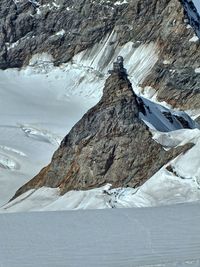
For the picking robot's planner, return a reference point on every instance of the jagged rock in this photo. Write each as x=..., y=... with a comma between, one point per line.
x=174, y=75
x=26, y=30
x=110, y=144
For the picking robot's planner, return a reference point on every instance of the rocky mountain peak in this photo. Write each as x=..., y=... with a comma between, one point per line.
x=110, y=144
x=116, y=87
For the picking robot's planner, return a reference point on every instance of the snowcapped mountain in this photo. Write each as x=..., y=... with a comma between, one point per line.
x=117, y=141
x=65, y=64
x=111, y=145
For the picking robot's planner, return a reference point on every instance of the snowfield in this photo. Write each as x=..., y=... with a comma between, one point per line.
x=38, y=107
x=147, y=237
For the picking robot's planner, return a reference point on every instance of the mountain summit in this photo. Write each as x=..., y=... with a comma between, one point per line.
x=110, y=144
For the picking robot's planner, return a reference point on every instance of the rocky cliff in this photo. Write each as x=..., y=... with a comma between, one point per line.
x=64, y=28
x=110, y=144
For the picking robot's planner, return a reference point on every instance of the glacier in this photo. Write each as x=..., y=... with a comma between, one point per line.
x=147, y=237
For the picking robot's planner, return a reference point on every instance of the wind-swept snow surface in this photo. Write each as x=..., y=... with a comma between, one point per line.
x=38, y=106
x=167, y=237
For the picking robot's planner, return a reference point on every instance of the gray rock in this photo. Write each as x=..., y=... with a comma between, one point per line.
x=86, y=22
x=110, y=144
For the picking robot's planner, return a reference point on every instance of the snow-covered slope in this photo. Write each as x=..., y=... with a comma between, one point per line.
x=197, y=4
x=167, y=237
x=192, y=8
x=164, y=119
x=177, y=183
x=38, y=107
x=40, y=104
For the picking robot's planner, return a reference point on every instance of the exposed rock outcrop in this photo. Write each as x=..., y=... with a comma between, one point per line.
x=110, y=144
x=174, y=76
x=64, y=28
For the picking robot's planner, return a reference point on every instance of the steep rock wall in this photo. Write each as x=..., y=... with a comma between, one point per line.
x=65, y=28
x=110, y=144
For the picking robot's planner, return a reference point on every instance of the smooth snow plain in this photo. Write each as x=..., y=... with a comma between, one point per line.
x=147, y=237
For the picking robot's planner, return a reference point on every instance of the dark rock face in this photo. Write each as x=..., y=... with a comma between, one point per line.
x=110, y=144
x=84, y=23
x=26, y=30
x=176, y=81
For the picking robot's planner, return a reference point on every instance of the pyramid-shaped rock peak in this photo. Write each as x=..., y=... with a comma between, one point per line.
x=117, y=87
x=110, y=144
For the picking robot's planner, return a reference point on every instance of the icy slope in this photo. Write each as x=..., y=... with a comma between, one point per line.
x=177, y=184
x=164, y=119
x=191, y=9
x=37, y=109
x=197, y=4
x=40, y=104
x=167, y=236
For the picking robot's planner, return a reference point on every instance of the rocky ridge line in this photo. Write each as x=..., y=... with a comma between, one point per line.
x=64, y=28
x=110, y=144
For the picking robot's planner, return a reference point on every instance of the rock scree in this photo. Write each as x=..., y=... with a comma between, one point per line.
x=110, y=144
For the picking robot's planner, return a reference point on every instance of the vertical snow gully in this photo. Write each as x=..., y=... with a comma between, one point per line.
x=192, y=15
